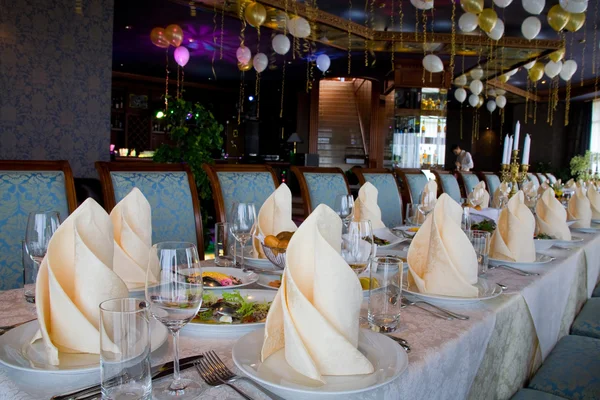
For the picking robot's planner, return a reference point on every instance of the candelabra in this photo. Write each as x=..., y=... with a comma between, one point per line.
x=514, y=173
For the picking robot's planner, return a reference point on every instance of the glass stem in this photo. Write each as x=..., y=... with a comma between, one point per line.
x=176, y=376
x=242, y=263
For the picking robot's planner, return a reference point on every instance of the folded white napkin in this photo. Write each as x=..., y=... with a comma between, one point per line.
x=75, y=277
x=314, y=316
x=429, y=194
x=441, y=259
x=579, y=208
x=480, y=196
x=570, y=185
x=275, y=216
x=132, y=227
x=502, y=190
x=366, y=208
x=594, y=198
x=551, y=216
x=530, y=188
x=513, y=238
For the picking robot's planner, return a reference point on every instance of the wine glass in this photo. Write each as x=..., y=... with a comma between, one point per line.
x=358, y=246
x=243, y=217
x=428, y=202
x=174, y=301
x=344, y=206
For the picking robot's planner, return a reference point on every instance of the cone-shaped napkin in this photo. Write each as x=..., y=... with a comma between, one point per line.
x=366, y=208
x=441, y=259
x=75, y=277
x=480, y=196
x=513, y=238
x=594, y=198
x=275, y=216
x=314, y=316
x=501, y=191
x=551, y=216
x=570, y=185
x=579, y=208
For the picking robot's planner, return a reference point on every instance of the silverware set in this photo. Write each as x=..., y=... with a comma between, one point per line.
x=515, y=270
x=442, y=313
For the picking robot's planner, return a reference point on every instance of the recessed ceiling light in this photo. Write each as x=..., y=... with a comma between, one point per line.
x=121, y=65
x=128, y=27
x=543, y=82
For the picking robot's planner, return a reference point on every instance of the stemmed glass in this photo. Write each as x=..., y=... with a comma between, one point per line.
x=358, y=246
x=344, y=206
x=174, y=301
x=243, y=218
x=428, y=203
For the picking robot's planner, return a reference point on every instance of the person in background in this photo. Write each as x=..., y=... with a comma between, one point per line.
x=464, y=161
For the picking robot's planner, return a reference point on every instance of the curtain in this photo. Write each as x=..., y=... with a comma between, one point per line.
x=579, y=130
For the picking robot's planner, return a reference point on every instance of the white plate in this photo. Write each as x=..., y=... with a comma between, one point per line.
x=250, y=294
x=487, y=290
x=406, y=229
x=18, y=353
x=388, y=359
x=596, y=221
x=545, y=244
x=264, y=279
x=386, y=234
x=539, y=259
x=247, y=278
x=252, y=260
x=569, y=223
x=586, y=230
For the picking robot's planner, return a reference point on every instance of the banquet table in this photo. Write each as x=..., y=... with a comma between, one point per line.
x=489, y=356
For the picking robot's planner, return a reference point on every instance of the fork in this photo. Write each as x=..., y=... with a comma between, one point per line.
x=210, y=376
x=516, y=270
x=449, y=313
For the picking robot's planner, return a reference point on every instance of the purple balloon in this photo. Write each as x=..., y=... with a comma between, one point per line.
x=182, y=55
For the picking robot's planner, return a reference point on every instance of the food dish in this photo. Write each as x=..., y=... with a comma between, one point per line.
x=545, y=244
x=231, y=308
x=485, y=224
x=487, y=290
x=539, y=259
x=235, y=276
x=269, y=281
x=385, y=239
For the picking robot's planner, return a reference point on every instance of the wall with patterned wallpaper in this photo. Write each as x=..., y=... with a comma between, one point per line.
x=55, y=81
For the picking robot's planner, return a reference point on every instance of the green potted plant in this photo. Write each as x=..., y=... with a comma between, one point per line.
x=581, y=166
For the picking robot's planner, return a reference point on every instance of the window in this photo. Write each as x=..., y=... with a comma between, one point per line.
x=595, y=137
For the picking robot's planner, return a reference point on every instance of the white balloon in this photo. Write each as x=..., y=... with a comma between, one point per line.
x=281, y=44
x=433, y=63
x=260, y=62
x=512, y=72
x=323, y=62
x=468, y=22
x=299, y=27
x=529, y=65
x=243, y=54
x=531, y=27
x=553, y=68
x=460, y=94
x=491, y=106
x=501, y=101
x=500, y=92
x=491, y=92
x=476, y=87
x=461, y=80
x=476, y=73
x=534, y=7
x=574, y=6
x=422, y=4
x=568, y=70
x=473, y=100
x=498, y=31
x=502, y=3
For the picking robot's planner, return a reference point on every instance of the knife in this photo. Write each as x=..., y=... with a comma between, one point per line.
x=157, y=372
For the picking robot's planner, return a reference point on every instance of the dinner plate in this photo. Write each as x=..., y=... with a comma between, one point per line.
x=407, y=230
x=17, y=351
x=264, y=279
x=596, y=221
x=252, y=260
x=571, y=222
x=388, y=359
x=586, y=230
x=386, y=234
x=216, y=329
x=545, y=244
x=486, y=290
x=539, y=259
x=247, y=278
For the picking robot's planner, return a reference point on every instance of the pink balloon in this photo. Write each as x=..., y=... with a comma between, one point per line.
x=182, y=55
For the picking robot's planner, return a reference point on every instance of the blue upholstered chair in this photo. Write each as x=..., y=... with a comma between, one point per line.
x=532, y=177
x=412, y=183
x=27, y=186
x=596, y=292
x=541, y=178
x=241, y=183
x=469, y=180
x=389, y=198
x=551, y=178
x=320, y=186
x=492, y=181
x=169, y=188
x=571, y=370
x=587, y=322
x=447, y=183
x=530, y=394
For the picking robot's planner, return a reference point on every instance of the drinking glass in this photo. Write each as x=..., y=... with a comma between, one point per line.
x=385, y=297
x=30, y=271
x=481, y=243
x=358, y=246
x=531, y=201
x=344, y=206
x=125, y=349
x=40, y=228
x=428, y=203
x=224, y=256
x=414, y=215
x=174, y=301
x=465, y=222
x=243, y=217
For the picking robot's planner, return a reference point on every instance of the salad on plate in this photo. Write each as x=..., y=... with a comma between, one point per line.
x=231, y=308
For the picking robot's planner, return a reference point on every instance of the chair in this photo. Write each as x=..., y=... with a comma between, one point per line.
x=531, y=176
x=389, y=198
x=596, y=292
x=169, y=188
x=551, y=178
x=27, y=186
x=447, y=183
x=239, y=182
x=541, y=177
x=468, y=181
x=530, y=394
x=492, y=181
x=320, y=186
x=587, y=322
x=412, y=183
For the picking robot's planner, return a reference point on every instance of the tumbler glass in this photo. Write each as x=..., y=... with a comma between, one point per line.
x=385, y=293
x=224, y=256
x=481, y=243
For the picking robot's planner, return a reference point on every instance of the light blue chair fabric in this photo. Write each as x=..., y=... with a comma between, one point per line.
x=587, y=322
x=529, y=394
x=471, y=180
x=245, y=187
x=596, y=292
x=492, y=182
x=450, y=186
x=22, y=192
x=170, y=198
x=571, y=370
x=532, y=177
x=388, y=198
x=416, y=184
x=324, y=187
x=541, y=178
x=551, y=178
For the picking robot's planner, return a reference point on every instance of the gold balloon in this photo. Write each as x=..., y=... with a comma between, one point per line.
x=575, y=23
x=174, y=35
x=245, y=67
x=557, y=55
x=157, y=36
x=504, y=78
x=480, y=103
x=472, y=6
x=558, y=18
x=536, y=72
x=488, y=19
x=256, y=14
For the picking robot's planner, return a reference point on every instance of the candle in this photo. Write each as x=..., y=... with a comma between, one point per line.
x=506, y=152
x=526, y=148
x=516, y=139
x=510, y=145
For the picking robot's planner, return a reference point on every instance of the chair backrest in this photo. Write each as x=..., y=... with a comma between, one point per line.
x=320, y=186
x=492, y=181
x=541, y=177
x=252, y=183
x=27, y=186
x=551, y=178
x=169, y=188
x=412, y=183
x=447, y=183
x=468, y=182
x=389, y=197
x=531, y=176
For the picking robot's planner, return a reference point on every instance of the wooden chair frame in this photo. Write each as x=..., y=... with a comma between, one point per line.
x=463, y=184
x=212, y=169
x=358, y=171
x=299, y=173
x=404, y=189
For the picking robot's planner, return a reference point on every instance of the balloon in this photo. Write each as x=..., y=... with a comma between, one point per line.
x=574, y=6
x=512, y=72
x=500, y=92
x=476, y=86
x=243, y=54
x=467, y=22
x=498, y=31
x=323, y=62
x=576, y=21
x=433, y=63
x=553, y=68
x=245, y=66
x=422, y=4
x=568, y=70
x=487, y=20
x=501, y=101
x=558, y=18
x=255, y=14
x=174, y=35
x=299, y=27
x=557, y=55
x=504, y=78
x=157, y=36
x=473, y=100
x=476, y=73
x=181, y=55
x=491, y=92
x=534, y=7
x=529, y=65
x=461, y=80
x=491, y=106
x=536, y=72
x=531, y=27
x=281, y=44
x=480, y=102
x=460, y=94
x=502, y=3
x=472, y=6
x=260, y=62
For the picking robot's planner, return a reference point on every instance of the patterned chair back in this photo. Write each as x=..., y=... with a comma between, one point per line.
x=469, y=181
x=320, y=186
x=242, y=183
x=492, y=181
x=169, y=188
x=531, y=176
x=448, y=184
x=541, y=178
x=412, y=182
x=389, y=199
x=551, y=178
x=27, y=186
